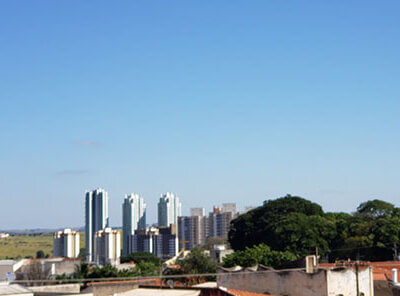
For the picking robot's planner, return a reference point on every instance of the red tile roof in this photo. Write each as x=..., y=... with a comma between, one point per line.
x=382, y=270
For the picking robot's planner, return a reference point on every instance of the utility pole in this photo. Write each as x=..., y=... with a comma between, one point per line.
x=396, y=258
x=358, y=288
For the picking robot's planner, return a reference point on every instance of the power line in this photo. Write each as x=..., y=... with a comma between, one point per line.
x=153, y=277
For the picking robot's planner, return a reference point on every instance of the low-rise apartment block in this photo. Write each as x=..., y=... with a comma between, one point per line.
x=66, y=244
x=160, y=241
x=107, y=246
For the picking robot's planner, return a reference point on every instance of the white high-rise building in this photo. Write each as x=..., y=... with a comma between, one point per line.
x=96, y=217
x=197, y=212
x=133, y=218
x=66, y=244
x=107, y=247
x=169, y=209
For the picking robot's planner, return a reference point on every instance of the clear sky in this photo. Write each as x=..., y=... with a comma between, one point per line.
x=217, y=101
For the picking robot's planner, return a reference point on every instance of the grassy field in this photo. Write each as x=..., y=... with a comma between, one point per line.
x=26, y=245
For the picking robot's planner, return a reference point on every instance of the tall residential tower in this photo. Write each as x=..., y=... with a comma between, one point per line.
x=96, y=217
x=169, y=209
x=133, y=218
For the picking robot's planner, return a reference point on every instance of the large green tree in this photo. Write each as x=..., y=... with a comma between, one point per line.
x=376, y=209
x=299, y=226
x=289, y=223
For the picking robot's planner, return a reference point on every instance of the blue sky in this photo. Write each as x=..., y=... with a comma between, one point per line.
x=217, y=101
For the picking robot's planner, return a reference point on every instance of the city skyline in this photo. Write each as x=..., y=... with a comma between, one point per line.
x=135, y=203
x=217, y=101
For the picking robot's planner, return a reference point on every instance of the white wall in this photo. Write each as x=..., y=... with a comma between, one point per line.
x=344, y=282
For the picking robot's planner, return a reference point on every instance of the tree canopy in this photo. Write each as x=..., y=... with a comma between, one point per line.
x=376, y=208
x=139, y=257
x=197, y=262
x=260, y=254
x=298, y=226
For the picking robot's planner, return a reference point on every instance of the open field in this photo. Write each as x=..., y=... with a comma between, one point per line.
x=27, y=245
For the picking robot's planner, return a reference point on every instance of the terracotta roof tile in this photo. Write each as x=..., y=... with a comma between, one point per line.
x=382, y=270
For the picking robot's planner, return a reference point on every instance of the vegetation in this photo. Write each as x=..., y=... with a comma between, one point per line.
x=15, y=247
x=260, y=254
x=195, y=263
x=86, y=271
x=27, y=246
x=140, y=257
x=146, y=263
x=297, y=227
x=211, y=241
x=40, y=254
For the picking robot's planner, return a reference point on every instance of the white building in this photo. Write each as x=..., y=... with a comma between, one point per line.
x=133, y=218
x=197, y=212
x=96, y=217
x=229, y=207
x=4, y=235
x=107, y=247
x=66, y=244
x=169, y=209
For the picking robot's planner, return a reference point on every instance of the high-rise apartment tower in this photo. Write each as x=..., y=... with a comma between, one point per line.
x=133, y=218
x=169, y=209
x=96, y=217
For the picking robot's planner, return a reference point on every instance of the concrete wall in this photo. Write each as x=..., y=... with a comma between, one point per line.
x=66, y=266
x=111, y=289
x=382, y=288
x=343, y=282
x=12, y=266
x=68, y=288
x=296, y=282
x=396, y=291
x=51, y=266
x=4, y=269
x=286, y=282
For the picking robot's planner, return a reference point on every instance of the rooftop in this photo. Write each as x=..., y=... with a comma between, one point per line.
x=7, y=262
x=206, y=285
x=160, y=292
x=382, y=270
x=235, y=292
x=13, y=289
